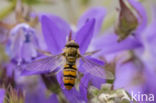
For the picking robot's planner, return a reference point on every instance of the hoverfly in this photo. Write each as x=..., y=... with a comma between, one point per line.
x=68, y=61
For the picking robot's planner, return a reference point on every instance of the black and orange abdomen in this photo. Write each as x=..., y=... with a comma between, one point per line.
x=69, y=75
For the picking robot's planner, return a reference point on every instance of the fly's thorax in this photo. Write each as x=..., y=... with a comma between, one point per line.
x=71, y=55
x=71, y=52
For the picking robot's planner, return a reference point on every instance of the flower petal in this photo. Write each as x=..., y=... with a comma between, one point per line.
x=2, y=95
x=150, y=83
x=98, y=13
x=62, y=24
x=54, y=35
x=108, y=44
x=73, y=96
x=60, y=79
x=84, y=85
x=16, y=29
x=149, y=41
x=126, y=75
x=85, y=34
x=17, y=46
x=35, y=91
x=14, y=45
x=28, y=51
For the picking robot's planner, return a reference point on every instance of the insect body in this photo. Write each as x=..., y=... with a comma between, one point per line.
x=71, y=54
x=67, y=61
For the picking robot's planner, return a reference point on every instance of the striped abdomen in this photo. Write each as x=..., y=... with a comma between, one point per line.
x=69, y=75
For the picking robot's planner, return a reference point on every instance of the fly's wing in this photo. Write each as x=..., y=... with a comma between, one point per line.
x=46, y=65
x=95, y=68
x=91, y=53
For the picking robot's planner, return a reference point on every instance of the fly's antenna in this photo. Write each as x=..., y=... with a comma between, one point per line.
x=70, y=36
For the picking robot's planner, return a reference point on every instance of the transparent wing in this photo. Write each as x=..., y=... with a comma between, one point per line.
x=45, y=65
x=91, y=53
x=91, y=66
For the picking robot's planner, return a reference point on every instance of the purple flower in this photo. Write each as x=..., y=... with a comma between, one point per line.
x=2, y=95
x=22, y=43
x=55, y=39
x=55, y=31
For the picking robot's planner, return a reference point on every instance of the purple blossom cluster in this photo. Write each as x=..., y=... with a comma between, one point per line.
x=121, y=58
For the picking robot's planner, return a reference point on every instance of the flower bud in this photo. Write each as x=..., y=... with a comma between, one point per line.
x=127, y=20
